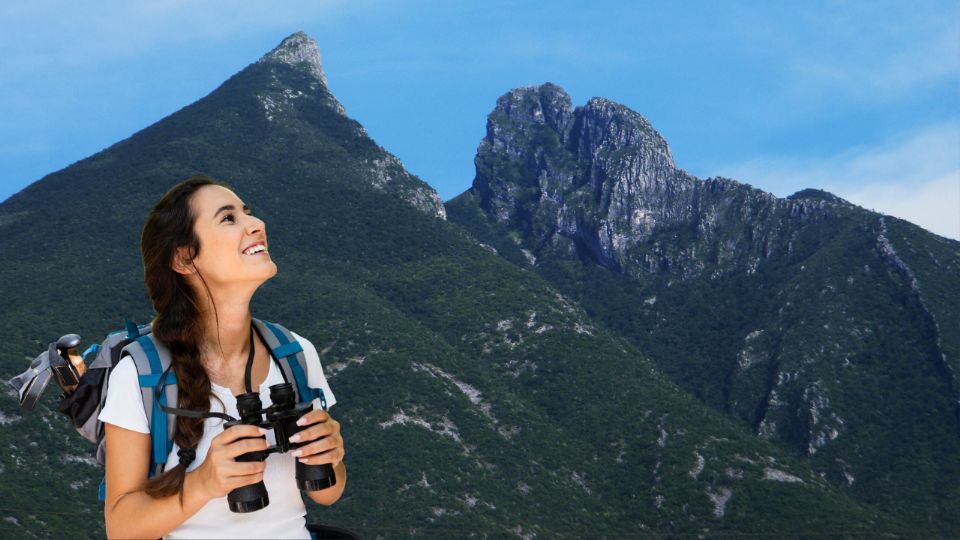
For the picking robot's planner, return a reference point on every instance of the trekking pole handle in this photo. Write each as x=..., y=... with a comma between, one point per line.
x=67, y=342
x=67, y=350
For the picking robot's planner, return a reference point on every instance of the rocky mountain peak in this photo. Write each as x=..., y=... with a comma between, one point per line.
x=570, y=176
x=298, y=50
x=545, y=104
x=614, y=126
x=598, y=179
x=819, y=195
x=600, y=126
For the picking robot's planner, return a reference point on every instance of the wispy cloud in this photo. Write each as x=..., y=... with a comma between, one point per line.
x=933, y=205
x=915, y=176
x=860, y=51
x=48, y=34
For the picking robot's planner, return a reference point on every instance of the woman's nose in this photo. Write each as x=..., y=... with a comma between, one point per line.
x=255, y=225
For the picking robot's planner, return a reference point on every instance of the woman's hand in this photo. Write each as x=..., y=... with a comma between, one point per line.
x=323, y=443
x=220, y=473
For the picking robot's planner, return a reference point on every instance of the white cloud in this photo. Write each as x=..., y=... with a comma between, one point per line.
x=872, y=62
x=915, y=176
x=54, y=34
x=934, y=205
x=868, y=53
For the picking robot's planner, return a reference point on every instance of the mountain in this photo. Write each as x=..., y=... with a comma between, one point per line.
x=828, y=329
x=475, y=398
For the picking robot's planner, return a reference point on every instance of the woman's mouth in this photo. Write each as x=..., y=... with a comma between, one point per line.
x=255, y=249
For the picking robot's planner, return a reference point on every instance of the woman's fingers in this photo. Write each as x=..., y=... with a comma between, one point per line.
x=244, y=446
x=239, y=481
x=233, y=433
x=332, y=456
x=318, y=446
x=326, y=450
x=317, y=431
x=220, y=470
x=226, y=474
x=322, y=440
x=243, y=468
x=237, y=440
x=312, y=417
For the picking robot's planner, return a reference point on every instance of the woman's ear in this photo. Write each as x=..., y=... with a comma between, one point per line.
x=182, y=262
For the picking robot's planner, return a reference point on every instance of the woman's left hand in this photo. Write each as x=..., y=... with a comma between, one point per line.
x=323, y=443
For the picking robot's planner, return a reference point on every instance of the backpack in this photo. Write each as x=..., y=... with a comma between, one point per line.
x=157, y=384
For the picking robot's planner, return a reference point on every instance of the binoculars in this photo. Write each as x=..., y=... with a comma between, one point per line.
x=282, y=418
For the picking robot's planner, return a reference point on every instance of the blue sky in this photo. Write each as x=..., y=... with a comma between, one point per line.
x=861, y=99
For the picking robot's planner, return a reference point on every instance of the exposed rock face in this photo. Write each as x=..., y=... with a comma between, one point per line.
x=599, y=179
x=286, y=102
x=813, y=322
x=457, y=370
x=298, y=50
x=389, y=171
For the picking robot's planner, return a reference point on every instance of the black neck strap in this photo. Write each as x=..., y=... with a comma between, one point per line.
x=246, y=374
x=183, y=412
x=196, y=414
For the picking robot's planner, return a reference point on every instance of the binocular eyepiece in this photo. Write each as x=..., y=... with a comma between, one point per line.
x=282, y=418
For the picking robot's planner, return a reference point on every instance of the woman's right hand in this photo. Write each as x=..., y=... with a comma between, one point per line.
x=220, y=473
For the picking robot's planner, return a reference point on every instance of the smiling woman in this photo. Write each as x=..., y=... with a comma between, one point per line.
x=205, y=255
x=234, y=238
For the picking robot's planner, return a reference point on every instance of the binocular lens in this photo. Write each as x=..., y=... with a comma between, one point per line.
x=315, y=477
x=248, y=498
x=283, y=395
x=248, y=404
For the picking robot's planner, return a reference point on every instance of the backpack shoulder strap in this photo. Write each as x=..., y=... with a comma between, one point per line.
x=153, y=361
x=107, y=355
x=288, y=351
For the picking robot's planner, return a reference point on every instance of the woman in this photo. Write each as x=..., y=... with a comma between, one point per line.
x=204, y=256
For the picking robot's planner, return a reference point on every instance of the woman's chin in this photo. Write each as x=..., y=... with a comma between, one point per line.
x=263, y=274
x=272, y=272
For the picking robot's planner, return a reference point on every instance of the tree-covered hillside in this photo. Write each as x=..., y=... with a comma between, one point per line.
x=476, y=399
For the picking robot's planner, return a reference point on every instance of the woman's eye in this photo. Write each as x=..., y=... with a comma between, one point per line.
x=228, y=216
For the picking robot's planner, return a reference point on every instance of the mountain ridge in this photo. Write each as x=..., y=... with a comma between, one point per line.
x=476, y=397
x=702, y=275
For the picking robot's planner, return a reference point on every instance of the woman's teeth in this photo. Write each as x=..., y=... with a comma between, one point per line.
x=254, y=250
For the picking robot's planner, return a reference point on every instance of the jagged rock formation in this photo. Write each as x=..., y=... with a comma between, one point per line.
x=797, y=316
x=599, y=180
x=474, y=397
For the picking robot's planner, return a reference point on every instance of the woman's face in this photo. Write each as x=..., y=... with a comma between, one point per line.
x=233, y=243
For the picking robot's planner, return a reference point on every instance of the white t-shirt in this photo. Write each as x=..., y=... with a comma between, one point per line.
x=284, y=517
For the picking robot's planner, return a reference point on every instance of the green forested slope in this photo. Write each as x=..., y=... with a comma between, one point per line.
x=475, y=399
x=825, y=328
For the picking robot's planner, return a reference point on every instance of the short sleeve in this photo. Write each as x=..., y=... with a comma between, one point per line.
x=315, y=376
x=124, y=403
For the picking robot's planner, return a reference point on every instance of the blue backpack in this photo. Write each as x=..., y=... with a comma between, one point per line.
x=158, y=384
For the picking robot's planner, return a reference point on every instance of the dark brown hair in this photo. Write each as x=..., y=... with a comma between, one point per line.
x=177, y=324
